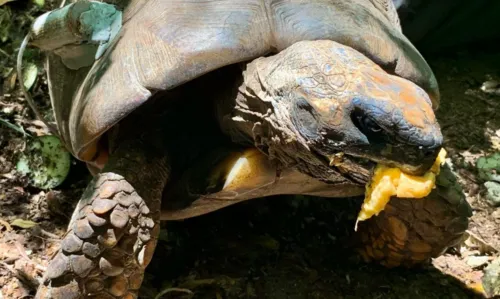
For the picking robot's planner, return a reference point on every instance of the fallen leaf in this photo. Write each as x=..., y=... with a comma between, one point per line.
x=40, y=3
x=10, y=78
x=491, y=279
x=30, y=73
x=477, y=261
x=267, y=242
x=474, y=242
x=6, y=224
x=23, y=223
x=8, y=251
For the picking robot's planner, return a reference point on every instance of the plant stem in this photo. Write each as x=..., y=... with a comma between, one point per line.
x=14, y=127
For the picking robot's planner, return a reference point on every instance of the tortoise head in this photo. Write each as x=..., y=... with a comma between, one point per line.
x=336, y=102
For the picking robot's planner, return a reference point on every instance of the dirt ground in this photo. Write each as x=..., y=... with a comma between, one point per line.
x=281, y=247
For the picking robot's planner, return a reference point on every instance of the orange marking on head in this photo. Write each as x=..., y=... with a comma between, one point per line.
x=380, y=78
x=414, y=117
x=416, y=109
x=407, y=96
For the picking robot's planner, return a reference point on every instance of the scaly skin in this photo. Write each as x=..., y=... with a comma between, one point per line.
x=412, y=231
x=113, y=232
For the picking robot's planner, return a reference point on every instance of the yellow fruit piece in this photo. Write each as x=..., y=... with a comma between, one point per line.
x=415, y=186
x=387, y=182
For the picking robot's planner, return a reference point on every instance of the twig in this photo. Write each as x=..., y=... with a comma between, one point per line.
x=14, y=127
x=480, y=238
x=26, y=279
x=50, y=235
x=171, y=290
x=5, y=53
x=27, y=96
x=22, y=252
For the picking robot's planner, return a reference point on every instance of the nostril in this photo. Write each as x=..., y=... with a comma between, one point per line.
x=429, y=153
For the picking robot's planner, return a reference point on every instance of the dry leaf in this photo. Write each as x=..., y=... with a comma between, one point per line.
x=23, y=223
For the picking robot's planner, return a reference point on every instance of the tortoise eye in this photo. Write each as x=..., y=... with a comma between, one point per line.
x=369, y=124
x=305, y=118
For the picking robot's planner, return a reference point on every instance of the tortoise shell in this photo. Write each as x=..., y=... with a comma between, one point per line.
x=165, y=43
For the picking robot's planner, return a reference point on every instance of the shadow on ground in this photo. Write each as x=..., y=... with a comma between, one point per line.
x=468, y=116
x=470, y=121
x=281, y=247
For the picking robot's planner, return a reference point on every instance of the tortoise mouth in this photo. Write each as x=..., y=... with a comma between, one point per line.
x=357, y=169
x=359, y=165
x=360, y=169
x=416, y=169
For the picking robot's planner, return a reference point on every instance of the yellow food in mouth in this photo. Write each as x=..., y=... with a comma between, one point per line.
x=387, y=182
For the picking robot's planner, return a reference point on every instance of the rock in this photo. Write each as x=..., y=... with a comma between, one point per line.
x=493, y=193
x=491, y=87
x=488, y=167
x=477, y=261
x=491, y=279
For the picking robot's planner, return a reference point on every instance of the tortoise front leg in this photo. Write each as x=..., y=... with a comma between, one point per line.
x=113, y=231
x=412, y=231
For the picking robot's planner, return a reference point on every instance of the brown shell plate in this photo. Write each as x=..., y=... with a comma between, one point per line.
x=165, y=43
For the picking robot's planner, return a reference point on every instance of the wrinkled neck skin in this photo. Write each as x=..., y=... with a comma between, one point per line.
x=251, y=117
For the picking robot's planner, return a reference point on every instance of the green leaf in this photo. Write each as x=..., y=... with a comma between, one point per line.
x=23, y=223
x=5, y=22
x=30, y=73
x=267, y=242
x=45, y=161
x=40, y=3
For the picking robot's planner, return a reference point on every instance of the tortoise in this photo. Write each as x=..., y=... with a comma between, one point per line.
x=304, y=83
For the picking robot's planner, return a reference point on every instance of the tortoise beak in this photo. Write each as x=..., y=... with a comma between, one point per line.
x=420, y=163
x=360, y=170
x=413, y=160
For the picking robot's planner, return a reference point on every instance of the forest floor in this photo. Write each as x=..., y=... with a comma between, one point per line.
x=280, y=247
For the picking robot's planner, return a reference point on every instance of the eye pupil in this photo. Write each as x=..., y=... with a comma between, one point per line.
x=369, y=124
